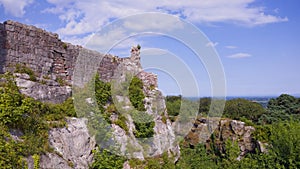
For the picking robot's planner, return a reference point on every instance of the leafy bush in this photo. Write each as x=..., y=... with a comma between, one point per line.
x=136, y=94
x=173, y=104
x=196, y=157
x=144, y=124
x=282, y=108
x=31, y=118
x=159, y=162
x=288, y=103
x=102, y=92
x=20, y=68
x=121, y=121
x=103, y=159
x=36, y=161
x=204, y=105
x=144, y=130
x=238, y=108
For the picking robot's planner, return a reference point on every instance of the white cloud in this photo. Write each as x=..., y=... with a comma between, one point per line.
x=82, y=17
x=240, y=55
x=153, y=23
x=106, y=41
x=231, y=47
x=15, y=7
x=212, y=44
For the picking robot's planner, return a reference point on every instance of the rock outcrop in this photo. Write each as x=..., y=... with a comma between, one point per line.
x=49, y=90
x=72, y=146
x=227, y=130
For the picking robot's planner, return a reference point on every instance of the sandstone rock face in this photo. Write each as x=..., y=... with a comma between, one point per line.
x=73, y=146
x=227, y=130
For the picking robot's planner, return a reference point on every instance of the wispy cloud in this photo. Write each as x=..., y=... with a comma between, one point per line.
x=16, y=7
x=231, y=47
x=87, y=16
x=212, y=44
x=239, y=55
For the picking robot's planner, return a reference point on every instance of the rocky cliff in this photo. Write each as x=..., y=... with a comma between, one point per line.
x=52, y=63
x=227, y=130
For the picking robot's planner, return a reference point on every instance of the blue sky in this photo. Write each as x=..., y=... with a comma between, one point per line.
x=258, y=42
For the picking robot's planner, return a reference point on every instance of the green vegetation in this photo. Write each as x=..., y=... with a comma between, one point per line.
x=21, y=68
x=204, y=105
x=283, y=108
x=29, y=118
x=144, y=130
x=238, y=108
x=144, y=124
x=176, y=105
x=65, y=46
x=105, y=103
x=103, y=159
x=61, y=81
x=102, y=92
x=278, y=125
x=36, y=161
x=286, y=103
x=283, y=152
x=136, y=94
x=173, y=104
x=159, y=162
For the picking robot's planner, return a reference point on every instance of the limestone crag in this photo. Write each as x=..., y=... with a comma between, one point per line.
x=227, y=129
x=56, y=65
x=72, y=146
x=49, y=91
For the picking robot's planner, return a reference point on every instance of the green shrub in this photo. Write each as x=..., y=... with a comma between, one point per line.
x=144, y=124
x=238, y=108
x=164, y=119
x=102, y=92
x=20, y=68
x=31, y=118
x=103, y=159
x=121, y=121
x=173, y=104
x=144, y=130
x=288, y=103
x=36, y=161
x=47, y=77
x=60, y=81
x=65, y=46
x=136, y=94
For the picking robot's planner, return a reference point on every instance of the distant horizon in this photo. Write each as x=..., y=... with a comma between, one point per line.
x=241, y=96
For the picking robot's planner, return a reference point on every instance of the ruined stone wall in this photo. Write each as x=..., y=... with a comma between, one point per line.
x=54, y=60
x=44, y=53
x=39, y=50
